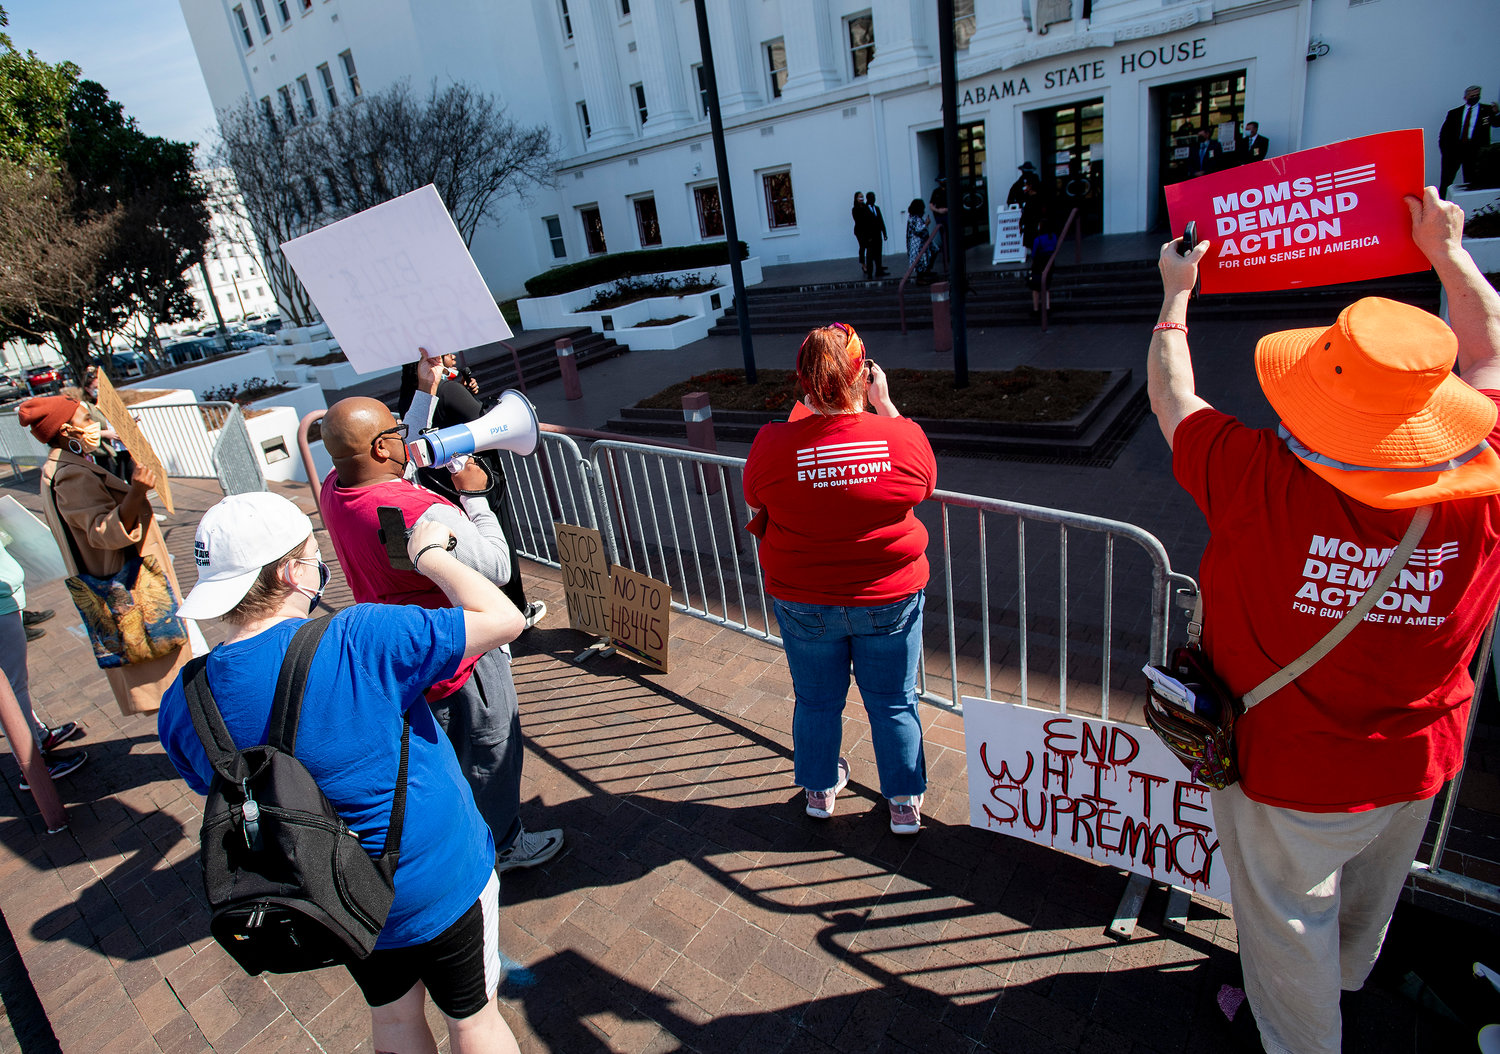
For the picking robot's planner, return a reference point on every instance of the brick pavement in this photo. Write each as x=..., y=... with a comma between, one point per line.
x=696, y=909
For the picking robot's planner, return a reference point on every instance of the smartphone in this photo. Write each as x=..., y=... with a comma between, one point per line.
x=1185, y=245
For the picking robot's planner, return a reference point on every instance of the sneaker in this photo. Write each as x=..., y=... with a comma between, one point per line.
x=61, y=766
x=56, y=737
x=820, y=803
x=906, y=814
x=33, y=618
x=529, y=849
x=32, y=632
x=535, y=612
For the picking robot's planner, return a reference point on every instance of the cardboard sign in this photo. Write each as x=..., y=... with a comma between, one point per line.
x=640, y=612
x=1102, y=790
x=585, y=572
x=395, y=278
x=118, y=415
x=1317, y=217
x=1009, y=248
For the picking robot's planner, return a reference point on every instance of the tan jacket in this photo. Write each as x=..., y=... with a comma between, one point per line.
x=88, y=502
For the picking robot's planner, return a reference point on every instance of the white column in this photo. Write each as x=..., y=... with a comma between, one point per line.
x=998, y=26
x=663, y=70
x=735, y=66
x=599, y=66
x=902, y=36
x=812, y=48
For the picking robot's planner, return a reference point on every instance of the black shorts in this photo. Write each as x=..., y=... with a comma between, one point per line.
x=460, y=967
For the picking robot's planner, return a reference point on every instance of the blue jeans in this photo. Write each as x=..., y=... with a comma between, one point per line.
x=882, y=644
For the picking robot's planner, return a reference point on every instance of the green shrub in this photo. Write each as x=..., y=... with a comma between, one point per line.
x=599, y=269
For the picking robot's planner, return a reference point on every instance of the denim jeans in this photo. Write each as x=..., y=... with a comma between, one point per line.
x=882, y=645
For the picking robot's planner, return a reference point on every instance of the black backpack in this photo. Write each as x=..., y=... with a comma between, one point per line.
x=288, y=882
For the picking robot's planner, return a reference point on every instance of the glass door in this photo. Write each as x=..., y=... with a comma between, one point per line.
x=1215, y=103
x=973, y=194
x=1075, y=135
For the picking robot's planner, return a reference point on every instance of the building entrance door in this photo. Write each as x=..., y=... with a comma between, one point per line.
x=972, y=191
x=1216, y=103
x=1073, y=155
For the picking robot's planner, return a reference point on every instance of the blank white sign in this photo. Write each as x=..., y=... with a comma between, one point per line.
x=395, y=278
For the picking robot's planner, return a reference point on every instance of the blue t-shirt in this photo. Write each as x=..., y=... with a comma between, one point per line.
x=372, y=664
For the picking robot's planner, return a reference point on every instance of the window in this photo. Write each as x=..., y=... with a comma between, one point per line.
x=639, y=90
x=326, y=76
x=624, y=8
x=583, y=119
x=350, y=74
x=710, y=214
x=555, y=236
x=284, y=11
x=567, y=21
x=268, y=113
x=702, y=87
x=306, y=5
x=776, y=60
x=260, y=15
x=287, y=109
x=239, y=16
x=963, y=23
x=309, y=105
x=646, y=224
x=861, y=43
x=593, y=229
x=781, y=210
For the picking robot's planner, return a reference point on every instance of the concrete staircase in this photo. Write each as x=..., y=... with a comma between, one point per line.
x=1127, y=291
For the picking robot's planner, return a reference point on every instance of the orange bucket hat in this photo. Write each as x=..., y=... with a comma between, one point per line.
x=1371, y=404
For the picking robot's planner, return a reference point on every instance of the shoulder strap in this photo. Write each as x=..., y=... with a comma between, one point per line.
x=67, y=531
x=207, y=721
x=1289, y=673
x=286, y=708
x=390, y=853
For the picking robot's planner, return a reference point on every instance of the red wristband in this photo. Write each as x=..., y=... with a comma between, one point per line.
x=1170, y=325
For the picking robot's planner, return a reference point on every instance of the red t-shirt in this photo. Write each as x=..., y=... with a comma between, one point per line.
x=353, y=523
x=838, y=494
x=1381, y=718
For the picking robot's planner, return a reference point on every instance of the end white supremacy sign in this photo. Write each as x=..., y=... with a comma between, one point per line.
x=395, y=278
x=1103, y=790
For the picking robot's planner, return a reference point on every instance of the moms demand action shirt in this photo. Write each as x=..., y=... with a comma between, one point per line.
x=1381, y=718
x=838, y=494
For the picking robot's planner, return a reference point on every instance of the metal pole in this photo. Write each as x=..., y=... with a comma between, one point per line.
x=726, y=196
x=213, y=302
x=958, y=280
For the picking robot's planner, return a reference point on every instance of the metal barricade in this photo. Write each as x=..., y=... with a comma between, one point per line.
x=183, y=435
x=552, y=485
x=17, y=445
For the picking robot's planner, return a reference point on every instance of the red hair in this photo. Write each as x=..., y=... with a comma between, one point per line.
x=829, y=364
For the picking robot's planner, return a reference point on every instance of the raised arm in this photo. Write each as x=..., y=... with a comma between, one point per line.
x=1169, y=366
x=1437, y=226
x=490, y=619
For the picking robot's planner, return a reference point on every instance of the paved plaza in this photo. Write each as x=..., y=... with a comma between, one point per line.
x=696, y=908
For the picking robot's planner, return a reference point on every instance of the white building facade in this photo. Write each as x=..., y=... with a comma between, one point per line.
x=236, y=275
x=822, y=98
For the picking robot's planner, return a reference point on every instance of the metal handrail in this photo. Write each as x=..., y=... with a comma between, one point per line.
x=1078, y=258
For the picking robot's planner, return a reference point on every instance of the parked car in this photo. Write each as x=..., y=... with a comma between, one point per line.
x=270, y=325
x=42, y=379
x=182, y=352
x=129, y=364
x=10, y=388
x=241, y=341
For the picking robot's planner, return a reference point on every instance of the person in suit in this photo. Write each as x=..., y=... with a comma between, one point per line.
x=860, y=214
x=876, y=235
x=1207, y=153
x=1253, y=146
x=1465, y=131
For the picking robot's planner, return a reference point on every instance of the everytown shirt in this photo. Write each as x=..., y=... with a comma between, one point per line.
x=1381, y=718
x=838, y=492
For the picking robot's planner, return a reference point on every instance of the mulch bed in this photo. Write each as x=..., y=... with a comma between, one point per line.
x=1021, y=394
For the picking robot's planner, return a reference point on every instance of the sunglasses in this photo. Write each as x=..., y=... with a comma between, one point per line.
x=398, y=430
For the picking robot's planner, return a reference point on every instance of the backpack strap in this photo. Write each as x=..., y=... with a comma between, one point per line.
x=286, y=708
x=390, y=854
x=207, y=721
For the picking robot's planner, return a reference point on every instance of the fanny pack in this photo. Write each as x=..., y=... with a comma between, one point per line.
x=1199, y=727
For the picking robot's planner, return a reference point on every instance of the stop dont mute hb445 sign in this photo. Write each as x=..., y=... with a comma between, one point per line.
x=1317, y=217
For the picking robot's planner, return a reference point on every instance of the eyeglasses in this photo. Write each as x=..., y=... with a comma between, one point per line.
x=323, y=571
x=398, y=430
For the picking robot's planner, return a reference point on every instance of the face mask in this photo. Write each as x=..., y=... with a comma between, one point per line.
x=314, y=599
x=88, y=437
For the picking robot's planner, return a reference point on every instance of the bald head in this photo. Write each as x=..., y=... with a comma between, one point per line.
x=352, y=436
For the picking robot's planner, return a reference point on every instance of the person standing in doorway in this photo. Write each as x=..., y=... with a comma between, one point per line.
x=1252, y=145
x=1465, y=131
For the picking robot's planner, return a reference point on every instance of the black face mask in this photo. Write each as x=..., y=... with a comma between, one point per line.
x=323, y=575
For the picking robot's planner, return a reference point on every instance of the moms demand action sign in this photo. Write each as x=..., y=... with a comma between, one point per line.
x=1103, y=790
x=1317, y=217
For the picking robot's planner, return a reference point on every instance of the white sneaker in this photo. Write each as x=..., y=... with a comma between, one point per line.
x=535, y=612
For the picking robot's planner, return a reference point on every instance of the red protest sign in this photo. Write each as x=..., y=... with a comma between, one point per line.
x=1317, y=217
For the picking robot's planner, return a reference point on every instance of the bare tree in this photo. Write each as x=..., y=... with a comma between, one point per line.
x=264, y=203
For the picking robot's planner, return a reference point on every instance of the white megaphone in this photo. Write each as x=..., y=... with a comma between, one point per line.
x=510, y=425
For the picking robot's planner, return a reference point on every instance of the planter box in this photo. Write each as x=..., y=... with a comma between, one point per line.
x=565, y=309
x=1486, y=253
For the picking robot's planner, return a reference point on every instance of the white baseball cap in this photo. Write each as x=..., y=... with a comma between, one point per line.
x=235, y=539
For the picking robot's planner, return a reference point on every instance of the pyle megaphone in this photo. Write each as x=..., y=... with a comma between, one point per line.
x=510, y=425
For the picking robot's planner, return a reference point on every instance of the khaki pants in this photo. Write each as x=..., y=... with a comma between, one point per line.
x=1313, y=895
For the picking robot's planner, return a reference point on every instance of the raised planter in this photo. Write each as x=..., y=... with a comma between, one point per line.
x=1486, y=253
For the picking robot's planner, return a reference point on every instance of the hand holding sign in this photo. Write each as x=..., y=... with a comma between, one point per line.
x=1317, y=217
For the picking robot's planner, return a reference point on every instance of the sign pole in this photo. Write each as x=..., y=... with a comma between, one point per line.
x=958, y=281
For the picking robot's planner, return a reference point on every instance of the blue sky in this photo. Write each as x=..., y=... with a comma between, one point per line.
x=138, y=49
